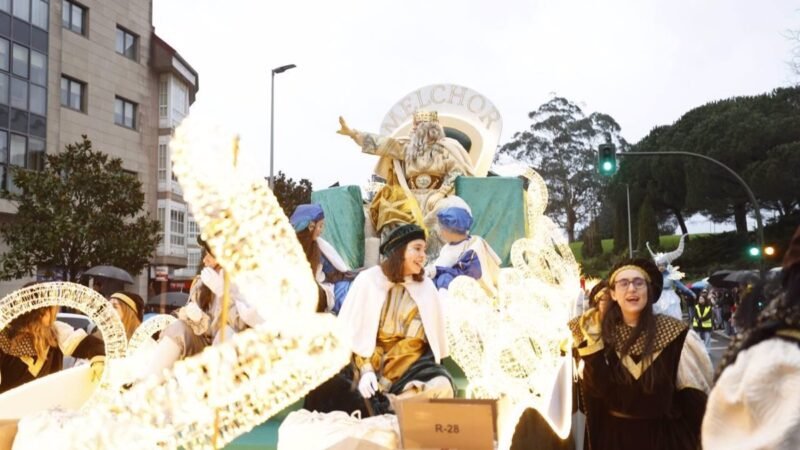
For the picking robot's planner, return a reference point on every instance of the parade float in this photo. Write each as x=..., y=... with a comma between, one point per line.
x=508, y=342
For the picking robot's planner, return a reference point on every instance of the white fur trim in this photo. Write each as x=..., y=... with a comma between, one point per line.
x=755, y=403
x=694, y=368
x=361, y=311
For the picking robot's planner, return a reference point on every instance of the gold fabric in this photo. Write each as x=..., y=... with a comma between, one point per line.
x=392, y=206
x=400, y=341
x=409, y=206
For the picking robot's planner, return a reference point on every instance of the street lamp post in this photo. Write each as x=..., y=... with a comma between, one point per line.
x=280, y=69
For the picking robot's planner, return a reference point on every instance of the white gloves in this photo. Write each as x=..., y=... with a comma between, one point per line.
x=193, y=312
x=212, y=280
x=368, y=384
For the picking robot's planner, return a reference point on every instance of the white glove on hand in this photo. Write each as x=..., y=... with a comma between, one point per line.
x=212, y=280
x=193, y=312
x=368, y=384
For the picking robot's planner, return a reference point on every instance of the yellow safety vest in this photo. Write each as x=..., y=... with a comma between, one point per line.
x=705, y=324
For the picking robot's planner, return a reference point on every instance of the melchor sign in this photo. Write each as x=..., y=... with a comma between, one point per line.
x=459, y=107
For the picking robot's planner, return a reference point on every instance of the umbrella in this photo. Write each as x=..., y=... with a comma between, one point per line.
x=699, y=285
x=171, y=299
x=743, y=276
x=717, y=279
x=110, y=272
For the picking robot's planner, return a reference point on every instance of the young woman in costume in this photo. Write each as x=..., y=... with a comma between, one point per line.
x=395, y=321
x=331, y=272
x=130, y=308
x=34, y=344
x=754, y=403
x=644, y=375
x=198, y=323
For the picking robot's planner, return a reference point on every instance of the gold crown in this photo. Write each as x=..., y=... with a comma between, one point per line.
x=426, y=116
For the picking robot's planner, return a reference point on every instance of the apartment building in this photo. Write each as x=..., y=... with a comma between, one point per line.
x=96, y=67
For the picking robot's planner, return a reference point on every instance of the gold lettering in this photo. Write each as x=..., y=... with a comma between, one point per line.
x=460, y=95
x=433, y=94
x=472, y=100
x=490, y=117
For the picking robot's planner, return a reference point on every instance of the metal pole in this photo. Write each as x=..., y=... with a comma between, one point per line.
x=272, y=132
x=630, y=234
x=759, y=226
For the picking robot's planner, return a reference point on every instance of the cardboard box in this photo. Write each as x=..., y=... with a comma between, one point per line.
x=463, y=424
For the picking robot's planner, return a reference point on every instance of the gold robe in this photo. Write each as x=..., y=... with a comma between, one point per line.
x=400, y=341
x=433, y=170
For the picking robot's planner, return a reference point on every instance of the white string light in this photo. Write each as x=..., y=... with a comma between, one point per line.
x=258, y=372
x=88, y=301
x=514, y=350
x=147, y=329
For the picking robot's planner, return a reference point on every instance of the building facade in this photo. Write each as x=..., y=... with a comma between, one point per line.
x=96, y=67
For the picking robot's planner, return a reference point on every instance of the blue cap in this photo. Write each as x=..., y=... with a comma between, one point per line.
x=455, y=219
x=305, y=214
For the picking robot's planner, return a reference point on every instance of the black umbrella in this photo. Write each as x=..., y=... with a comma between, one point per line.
x=743, y=276
x=717, y=279
x=110, y=272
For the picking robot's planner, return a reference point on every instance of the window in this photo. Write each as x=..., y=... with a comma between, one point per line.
x=22, y=9
x=193, y=230
x=18, y=144
x=3, y=147
x=193, y=260
x=124, y=113
x=126, y=43
x=73, y=17
x=19, y=93
x=163, y=85
x=176, y=228
x=180, y=101
x=161, y=216
x=73, y=94
x=38, y=68
x=20, y=63
x=38, y=103
x=39, y=9
x=3, y=54
x=5, y=5
x=162, y=162
x=3, y=88
x=35, y=160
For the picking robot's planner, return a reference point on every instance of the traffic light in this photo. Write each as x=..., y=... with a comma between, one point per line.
x=753, y=251
x=769, y=250
x=606, y=159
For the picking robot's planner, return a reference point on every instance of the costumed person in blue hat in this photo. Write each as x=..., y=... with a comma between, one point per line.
x=332, y=273
x=463, y=253
x=394, y=318
x=669, y=303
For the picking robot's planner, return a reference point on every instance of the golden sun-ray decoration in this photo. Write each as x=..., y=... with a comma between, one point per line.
x=243, y=382
x=515, y=349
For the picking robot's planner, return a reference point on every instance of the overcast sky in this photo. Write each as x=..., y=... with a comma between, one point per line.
x=643, y=62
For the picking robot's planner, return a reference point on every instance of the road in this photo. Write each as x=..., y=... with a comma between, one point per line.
x=719, y=343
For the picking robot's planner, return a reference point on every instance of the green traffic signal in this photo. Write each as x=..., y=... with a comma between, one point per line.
x=606, y=159
x=754, y=251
